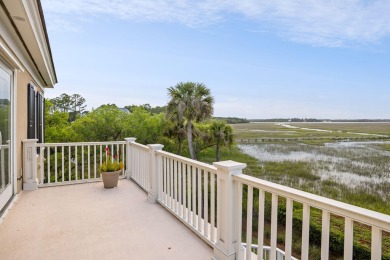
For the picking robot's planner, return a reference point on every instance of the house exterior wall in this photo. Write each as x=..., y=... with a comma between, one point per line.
x=18, y=50
x=19, y=102
x=23, y=79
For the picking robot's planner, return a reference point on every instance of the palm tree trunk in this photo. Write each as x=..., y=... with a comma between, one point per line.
x=189, y=138
x=218, y=157
x=180, y=146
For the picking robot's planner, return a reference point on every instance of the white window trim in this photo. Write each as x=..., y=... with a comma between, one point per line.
x=12, y=144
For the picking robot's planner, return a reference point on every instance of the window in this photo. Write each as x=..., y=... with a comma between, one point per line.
x=35, y=114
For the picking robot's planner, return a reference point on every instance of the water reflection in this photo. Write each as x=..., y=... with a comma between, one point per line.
x=349, y=163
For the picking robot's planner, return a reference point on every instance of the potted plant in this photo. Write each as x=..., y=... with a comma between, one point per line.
x=110, y=170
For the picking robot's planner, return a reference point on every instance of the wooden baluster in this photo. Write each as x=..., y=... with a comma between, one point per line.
x=274, y=225
x=288, y=235
x=325, y=235
x=305, y=232
x=260, y=229
x=249, y=211
x=348, y=239
x=205, y=204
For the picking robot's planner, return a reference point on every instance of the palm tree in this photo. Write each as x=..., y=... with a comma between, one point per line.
x=176, y=129
x=191, y=102
x=222, y=134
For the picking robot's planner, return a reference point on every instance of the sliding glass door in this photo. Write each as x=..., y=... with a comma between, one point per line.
x=5, y=135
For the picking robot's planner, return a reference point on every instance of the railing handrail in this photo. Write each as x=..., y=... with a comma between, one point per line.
x=203, y=165
x=79, y=143
x=142, y=146
x=362, y=215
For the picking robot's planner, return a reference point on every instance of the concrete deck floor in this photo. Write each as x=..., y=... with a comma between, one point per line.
x=86, y=221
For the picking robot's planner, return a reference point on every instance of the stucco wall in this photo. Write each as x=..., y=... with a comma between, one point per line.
x=22, y=78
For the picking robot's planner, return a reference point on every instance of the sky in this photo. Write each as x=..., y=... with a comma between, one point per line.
x=261, y=59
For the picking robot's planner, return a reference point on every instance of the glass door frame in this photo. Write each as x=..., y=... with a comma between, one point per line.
x=9, y=191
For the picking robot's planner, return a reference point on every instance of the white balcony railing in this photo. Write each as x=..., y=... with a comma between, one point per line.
x=213, y=200
x=65, y=163
x=188, y=190
x=351, y=214
x=138, y=162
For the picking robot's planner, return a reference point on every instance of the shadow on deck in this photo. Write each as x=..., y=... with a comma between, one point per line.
x=89, y=222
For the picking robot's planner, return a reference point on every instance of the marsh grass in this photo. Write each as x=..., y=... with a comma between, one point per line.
x=358, y=176
x=385, y=147
x=259, y=131
x=379, y=128
x=368, y=188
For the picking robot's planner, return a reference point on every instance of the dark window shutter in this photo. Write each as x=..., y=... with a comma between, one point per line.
x=39, y=117
x=43, y=119
x=31, y=123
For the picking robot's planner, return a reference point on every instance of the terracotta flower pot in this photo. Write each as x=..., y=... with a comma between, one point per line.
x=110, y=179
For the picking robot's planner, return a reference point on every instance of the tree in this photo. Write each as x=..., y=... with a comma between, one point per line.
x=221, y=134
x=74, y=105
x=147, y=128
x=193, y=103
x=147, y=107
x=176, y=129
x=106, y=123
x=57, y=126
x=77, y=106
x=62, y=103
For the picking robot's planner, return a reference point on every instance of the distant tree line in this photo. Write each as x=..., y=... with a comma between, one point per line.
x=147, y=107
x=317, y=120
x=233, y=120
x=288, y=120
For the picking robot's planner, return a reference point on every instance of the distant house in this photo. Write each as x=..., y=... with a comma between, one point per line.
x=26, y=69
x=124, y=110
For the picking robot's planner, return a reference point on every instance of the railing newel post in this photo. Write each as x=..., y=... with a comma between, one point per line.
x=129, y=154
x=154, y=171
x=30, y=180
x=226, y=247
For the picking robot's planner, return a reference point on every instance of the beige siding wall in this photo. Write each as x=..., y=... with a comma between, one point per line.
x=22, y=80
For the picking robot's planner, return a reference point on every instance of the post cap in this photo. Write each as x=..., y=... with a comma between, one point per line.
x=130, y=139
x=229, y=165
x=30, y=140
x=156, y=146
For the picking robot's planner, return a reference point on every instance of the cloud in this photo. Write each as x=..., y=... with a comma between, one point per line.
x=316, y=22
